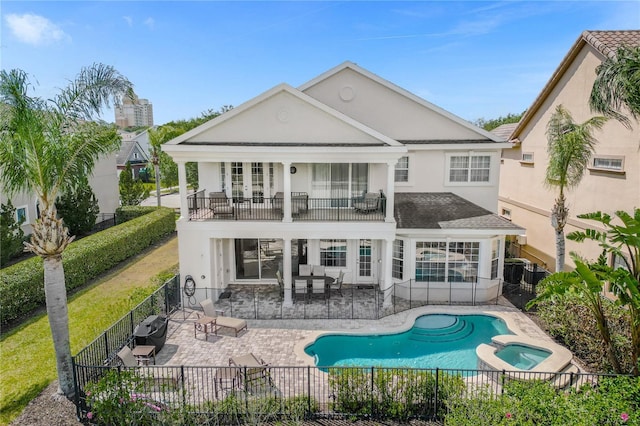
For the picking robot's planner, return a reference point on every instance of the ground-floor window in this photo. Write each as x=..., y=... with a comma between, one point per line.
x=333, y=253
x=455, y=261
x=257, y=258
x=397, y=267
x=364, y=263
x=495, y=258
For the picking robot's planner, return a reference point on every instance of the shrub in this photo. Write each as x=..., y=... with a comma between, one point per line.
x=566, y=318
x=392, y=393
x=614, y=401
x=22, y=284
x=78, y=209
x=11, y=234
x=127, y=213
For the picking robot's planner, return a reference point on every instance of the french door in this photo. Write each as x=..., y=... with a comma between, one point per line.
x=247, y=182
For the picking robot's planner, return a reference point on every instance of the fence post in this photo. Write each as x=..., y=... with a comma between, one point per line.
x=436, y=395
x=106, y=345
x=76, y=396
x=308, y=391
x=371, y=393
x=502, y=380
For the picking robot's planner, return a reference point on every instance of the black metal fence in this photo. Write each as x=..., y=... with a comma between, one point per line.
x=354, y=301
x=103, y=349
x=237, y=395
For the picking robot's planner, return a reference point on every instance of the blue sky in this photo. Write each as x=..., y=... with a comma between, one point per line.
x=475, y=59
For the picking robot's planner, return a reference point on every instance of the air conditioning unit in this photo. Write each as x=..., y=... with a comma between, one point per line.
x=522, y=240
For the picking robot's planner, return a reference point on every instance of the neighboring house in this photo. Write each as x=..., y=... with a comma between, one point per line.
x=348, y=171
x=131, y=152
x=142, y=137
x=612, y=181
x=103, y=181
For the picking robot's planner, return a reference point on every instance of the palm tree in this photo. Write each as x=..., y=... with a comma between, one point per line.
x=617, y=85
x=46, y=147
x=570, y=147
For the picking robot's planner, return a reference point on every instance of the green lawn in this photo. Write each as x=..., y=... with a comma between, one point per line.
x=27, y=360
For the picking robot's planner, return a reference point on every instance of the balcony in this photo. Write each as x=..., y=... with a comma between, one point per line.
x=303, y=208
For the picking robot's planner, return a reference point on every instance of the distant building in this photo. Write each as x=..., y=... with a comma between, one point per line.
x=134, y=113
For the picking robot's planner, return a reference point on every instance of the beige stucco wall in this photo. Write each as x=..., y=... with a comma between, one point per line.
x=521, y=185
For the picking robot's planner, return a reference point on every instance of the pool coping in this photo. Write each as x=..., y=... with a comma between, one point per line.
x=508, y=315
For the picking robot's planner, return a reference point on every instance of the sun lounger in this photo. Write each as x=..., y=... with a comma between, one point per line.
x=234, y=324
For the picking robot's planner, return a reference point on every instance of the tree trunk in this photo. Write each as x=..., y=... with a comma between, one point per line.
x=56, y=297
x=560, y=250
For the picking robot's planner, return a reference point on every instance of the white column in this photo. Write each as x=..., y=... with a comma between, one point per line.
x=387, y=272
x=287, y=192
x=391, y=182
x=286, y=266
x=182, y=184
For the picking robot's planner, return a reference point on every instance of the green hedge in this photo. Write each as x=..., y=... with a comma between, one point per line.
x=127, y=213
x=22, y=284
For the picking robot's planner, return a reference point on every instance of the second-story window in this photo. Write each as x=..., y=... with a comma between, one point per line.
x=402, y=170
x=472, y=168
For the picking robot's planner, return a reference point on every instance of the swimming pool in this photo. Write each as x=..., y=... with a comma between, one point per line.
x=434, y=341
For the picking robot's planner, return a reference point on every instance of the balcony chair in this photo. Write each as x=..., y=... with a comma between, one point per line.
x=220, y=204
x=369, y=203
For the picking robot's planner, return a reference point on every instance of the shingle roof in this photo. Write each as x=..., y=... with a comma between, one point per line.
x=504, y=131
x=445, y=210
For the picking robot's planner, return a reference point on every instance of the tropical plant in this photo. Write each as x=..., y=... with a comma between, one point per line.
x=621, y=239
x=570, y=147
x=11, y=233
x=79, y=208
x=157, y=137
x=132, y=191
x=617, y=85
x=492, y=123
x=587, y=282
x=46, y=146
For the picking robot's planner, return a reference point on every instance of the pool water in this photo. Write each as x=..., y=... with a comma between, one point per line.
x=522, y=357
x=434, y=341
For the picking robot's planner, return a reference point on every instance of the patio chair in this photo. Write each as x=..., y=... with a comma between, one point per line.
x=318, y=271
x=220, y=203
x=254, y=372
x=318, y=288
x=337, y=285
x=300, y=288
x=369, y=203
x=304, y=270
x=280, y=282
x=155, y=372
x=234, y=324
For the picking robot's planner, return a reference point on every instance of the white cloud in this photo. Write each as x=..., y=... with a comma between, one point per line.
x=149, y=22
x=129, y=20
x=34, y=29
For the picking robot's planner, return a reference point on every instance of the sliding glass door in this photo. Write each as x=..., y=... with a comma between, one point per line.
x=258, y=258
x=339, y=182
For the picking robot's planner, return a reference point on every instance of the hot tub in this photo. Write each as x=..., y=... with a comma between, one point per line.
x=521, y=356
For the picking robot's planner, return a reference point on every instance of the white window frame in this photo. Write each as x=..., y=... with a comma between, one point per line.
x=495, y=257
x=527, y=158
x=335, y=254
x=609, y=159
x=470, y=155
x=397, y=262
x=402, y=169
x=26, y=214
x=505, y=213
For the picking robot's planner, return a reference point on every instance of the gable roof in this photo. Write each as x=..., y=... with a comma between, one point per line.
x=127, y=149
x=605, y=42
x=354, y=133
x=348, y=65
x=445, y=210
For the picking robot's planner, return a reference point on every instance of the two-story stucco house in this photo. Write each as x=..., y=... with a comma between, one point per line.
x=612, y=181
x=350, y=172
